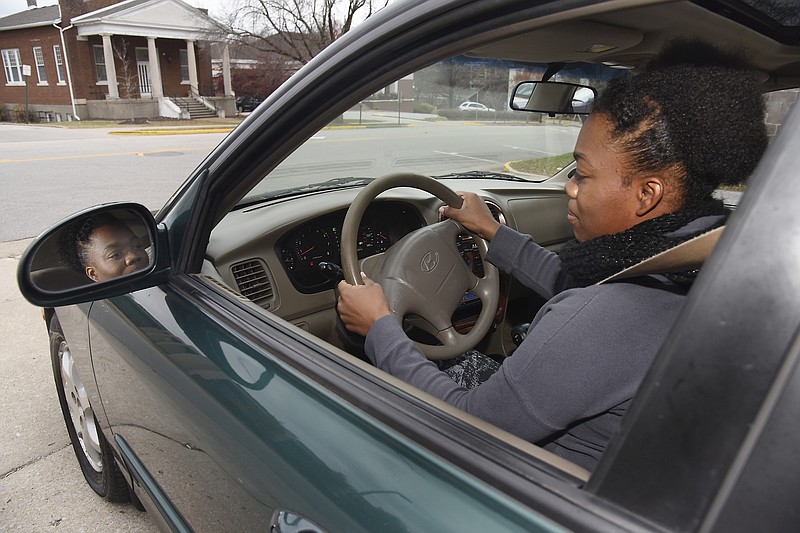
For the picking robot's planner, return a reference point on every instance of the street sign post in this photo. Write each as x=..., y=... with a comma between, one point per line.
x=26, y=72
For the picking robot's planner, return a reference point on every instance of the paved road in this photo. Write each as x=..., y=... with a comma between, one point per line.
x=47, y=173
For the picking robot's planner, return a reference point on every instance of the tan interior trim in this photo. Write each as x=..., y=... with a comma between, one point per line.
x=685, y=256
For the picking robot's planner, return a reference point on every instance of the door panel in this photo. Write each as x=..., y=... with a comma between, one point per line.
x=231, y=434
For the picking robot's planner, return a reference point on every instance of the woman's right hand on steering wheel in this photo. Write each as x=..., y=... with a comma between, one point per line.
x=474, y=215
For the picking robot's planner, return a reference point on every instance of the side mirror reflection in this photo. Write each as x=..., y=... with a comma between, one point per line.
x=101, y=245
x=553, y=98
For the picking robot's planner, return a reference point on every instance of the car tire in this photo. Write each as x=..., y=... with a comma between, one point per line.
x=90, y=445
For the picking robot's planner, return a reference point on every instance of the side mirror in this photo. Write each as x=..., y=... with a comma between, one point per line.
x=94, y=254
x=553, y=98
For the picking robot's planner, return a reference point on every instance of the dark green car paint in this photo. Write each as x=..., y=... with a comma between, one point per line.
x=145, y=482
x=230, y=423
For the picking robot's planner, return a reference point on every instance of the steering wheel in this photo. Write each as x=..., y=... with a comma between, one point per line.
x=423, y=273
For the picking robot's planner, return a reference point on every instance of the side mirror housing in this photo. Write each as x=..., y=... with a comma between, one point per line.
x=97, y=253
x=553, y=98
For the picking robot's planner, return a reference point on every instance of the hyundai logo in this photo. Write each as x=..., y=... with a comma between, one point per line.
x=429, y=261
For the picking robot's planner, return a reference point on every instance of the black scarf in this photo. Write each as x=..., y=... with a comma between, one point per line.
x=594, y=260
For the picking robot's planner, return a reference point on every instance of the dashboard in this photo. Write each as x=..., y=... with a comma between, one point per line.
x=270, y=253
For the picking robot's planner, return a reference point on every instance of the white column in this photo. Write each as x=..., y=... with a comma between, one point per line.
x=226, y=70
x=155, y=68
x=111, y=70
x=192, y=68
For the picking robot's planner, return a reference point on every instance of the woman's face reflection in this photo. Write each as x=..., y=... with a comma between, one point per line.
x=114, y=251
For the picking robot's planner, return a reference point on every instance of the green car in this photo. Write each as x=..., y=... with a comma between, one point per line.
x=210, y=379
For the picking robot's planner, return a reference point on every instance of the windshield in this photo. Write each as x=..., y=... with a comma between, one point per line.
x=451, y=119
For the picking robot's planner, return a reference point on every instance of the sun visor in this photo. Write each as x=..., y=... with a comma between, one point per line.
x=587, y=41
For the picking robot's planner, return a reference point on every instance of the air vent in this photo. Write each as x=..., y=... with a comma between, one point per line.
x=497, y=213
x=251, y=278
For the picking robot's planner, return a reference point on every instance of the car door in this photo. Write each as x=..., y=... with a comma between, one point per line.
x=221, y=430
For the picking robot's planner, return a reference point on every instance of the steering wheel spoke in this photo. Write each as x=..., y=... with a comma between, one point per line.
x=371, y=266
x=483, y=288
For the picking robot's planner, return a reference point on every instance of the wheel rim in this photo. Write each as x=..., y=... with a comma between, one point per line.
x=80, y=411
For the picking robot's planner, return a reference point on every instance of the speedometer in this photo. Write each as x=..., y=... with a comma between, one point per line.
x=303, y=254
x=314, y=246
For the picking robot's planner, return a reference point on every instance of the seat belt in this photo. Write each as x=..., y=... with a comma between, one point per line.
x=688, y=255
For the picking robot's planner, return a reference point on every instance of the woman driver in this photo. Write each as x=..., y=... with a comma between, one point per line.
x=648, y=160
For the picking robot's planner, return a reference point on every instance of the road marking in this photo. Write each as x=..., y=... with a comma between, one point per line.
x=195, y=131
x=466, y=156
x=116, y=154
x=528, y=149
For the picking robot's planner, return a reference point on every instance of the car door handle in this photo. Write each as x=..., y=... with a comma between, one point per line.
x=284, y=521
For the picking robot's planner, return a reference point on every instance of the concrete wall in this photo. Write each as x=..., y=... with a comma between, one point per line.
x=225, y=103
x=121, y=109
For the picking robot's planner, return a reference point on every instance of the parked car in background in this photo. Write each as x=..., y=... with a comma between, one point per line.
x=474, y=106
x=247, y=103
x=217, y=385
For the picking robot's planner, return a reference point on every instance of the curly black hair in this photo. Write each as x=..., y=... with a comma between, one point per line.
x=75, y=241
x=695, y=109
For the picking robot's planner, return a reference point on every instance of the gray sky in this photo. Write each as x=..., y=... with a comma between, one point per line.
x=8, y=7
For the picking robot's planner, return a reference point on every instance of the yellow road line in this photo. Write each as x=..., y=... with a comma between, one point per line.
x=115, y=154
x=172, y=132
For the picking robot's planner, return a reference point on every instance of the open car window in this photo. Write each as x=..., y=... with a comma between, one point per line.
x=450, y=119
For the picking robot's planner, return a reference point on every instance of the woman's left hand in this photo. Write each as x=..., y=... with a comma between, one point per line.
x=360, y=306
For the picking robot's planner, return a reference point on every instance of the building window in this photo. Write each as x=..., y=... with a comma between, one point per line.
x=12, y=65
x=184, y=65
x=59, y=63
x=40, y=70
x=100, y=63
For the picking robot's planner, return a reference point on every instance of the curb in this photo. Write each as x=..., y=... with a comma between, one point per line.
x=173, y=132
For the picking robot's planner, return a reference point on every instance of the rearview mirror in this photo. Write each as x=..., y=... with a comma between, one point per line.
x=553, y=98
x=88, y=251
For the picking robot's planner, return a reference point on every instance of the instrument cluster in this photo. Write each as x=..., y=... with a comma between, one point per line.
x=304, y=248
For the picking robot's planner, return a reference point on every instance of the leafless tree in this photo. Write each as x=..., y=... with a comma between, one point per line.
x=127, y=77
x=294, y=29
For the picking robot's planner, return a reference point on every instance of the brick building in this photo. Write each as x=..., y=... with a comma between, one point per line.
x=91, y=59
